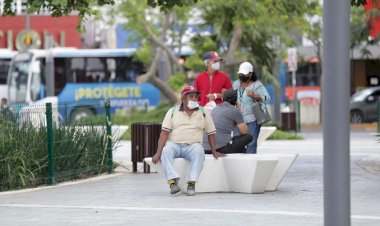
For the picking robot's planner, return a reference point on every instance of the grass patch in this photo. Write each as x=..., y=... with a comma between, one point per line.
x=78, y=154
x=283, y=135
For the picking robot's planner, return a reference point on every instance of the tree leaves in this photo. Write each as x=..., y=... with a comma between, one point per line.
x=58, y=8
x=165, y=5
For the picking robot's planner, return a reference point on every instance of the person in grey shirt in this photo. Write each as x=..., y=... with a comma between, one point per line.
x=226, y=117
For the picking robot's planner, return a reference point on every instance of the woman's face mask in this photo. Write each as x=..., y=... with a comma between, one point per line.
x=243, y=78
x=215, y=66
x=192, y=104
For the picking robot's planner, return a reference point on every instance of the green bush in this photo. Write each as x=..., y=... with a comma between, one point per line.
x=79, y=153
x=283, y=135
x=23, y=155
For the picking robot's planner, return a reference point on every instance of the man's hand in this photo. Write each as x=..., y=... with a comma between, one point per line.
x=218, y=154
x=211, y=96
x=156, y=157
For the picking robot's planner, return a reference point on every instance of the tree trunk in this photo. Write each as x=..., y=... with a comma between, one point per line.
x=165, y=90
x=229, y=58
x=151, y=74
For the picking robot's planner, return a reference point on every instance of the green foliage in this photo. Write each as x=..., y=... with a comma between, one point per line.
x=22, y=156
x=144, y=54
x=201, y=45
x=266, y=31
x=195, y=63
x=358, y=3
x=279, y=134
x=283, y=135
x=79, y=152
x=58, y=8
x=177, y=81
x=165, y=5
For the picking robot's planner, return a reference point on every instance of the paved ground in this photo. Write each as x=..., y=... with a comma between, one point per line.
x=126, y=198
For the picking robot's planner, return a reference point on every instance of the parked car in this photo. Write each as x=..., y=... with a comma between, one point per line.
x=364, y=105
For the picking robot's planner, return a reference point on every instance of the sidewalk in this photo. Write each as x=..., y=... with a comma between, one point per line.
x=143, y=199
x=364, y=127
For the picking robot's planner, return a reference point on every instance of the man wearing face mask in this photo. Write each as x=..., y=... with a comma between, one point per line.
x=212, y=82
x=226, y=118
x=182, y=137
x=250, y=91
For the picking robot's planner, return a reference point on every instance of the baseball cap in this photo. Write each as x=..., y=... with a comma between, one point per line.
x=188, y=89
x=212, y=55
x=245, y=68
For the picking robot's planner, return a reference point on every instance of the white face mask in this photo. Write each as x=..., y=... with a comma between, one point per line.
x=215, y=66
x=192, y=104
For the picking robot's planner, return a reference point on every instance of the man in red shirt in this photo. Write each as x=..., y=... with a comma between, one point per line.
x=212, y=82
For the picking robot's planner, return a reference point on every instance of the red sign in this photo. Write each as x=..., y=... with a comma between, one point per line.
x=374, y=20
x=63, y=29
x=289, y=90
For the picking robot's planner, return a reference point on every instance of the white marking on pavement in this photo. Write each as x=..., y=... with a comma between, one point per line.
x=243, y=211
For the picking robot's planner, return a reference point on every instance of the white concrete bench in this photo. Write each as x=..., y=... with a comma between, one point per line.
x=265, y=132
x=245, y=173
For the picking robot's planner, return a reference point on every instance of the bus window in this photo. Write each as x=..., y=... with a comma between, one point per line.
x=18, y=82
x=88, y=70
x=128, y=70
x=60, y=73
x=111, y=70
x=4, y=66
x=95, y=69
x=35, y=85
x=77, y=70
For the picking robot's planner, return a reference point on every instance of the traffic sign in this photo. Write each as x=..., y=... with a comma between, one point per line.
x=292, y=59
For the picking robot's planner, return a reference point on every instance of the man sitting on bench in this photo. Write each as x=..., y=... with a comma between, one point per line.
x=184, y=125
x=226, y=117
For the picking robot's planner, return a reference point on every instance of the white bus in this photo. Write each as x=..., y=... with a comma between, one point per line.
x=5, y=60
x=81, y=77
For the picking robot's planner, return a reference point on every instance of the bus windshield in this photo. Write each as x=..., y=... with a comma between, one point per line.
x=18, y=81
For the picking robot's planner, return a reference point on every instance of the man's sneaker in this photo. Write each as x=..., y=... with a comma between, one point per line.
x=191, y=188
x=174, y=189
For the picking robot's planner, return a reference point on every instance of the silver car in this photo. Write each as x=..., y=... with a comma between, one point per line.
x=364, y=105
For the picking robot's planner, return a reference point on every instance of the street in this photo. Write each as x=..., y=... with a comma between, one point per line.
x=126, y=198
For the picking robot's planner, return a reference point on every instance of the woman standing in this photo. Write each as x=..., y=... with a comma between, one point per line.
x=250, y=92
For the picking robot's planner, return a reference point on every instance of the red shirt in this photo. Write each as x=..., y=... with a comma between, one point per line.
x=219, y=81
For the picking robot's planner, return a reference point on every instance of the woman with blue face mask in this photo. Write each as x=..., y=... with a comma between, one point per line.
x=212, y=82
x=250, y=91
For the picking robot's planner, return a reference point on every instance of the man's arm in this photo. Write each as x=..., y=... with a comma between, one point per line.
x=212, y=141
x=242, y=128
x=164, y=136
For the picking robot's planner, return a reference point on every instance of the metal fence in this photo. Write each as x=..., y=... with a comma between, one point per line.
x=38, y=146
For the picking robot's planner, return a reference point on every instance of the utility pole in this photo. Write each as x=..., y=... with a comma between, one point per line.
x=336, y=120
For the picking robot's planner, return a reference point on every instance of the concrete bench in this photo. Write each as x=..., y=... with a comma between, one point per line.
x=244, y=173
x=265, y=132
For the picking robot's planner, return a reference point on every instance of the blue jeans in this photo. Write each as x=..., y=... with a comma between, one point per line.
x=191, y=152
x=254, y=130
